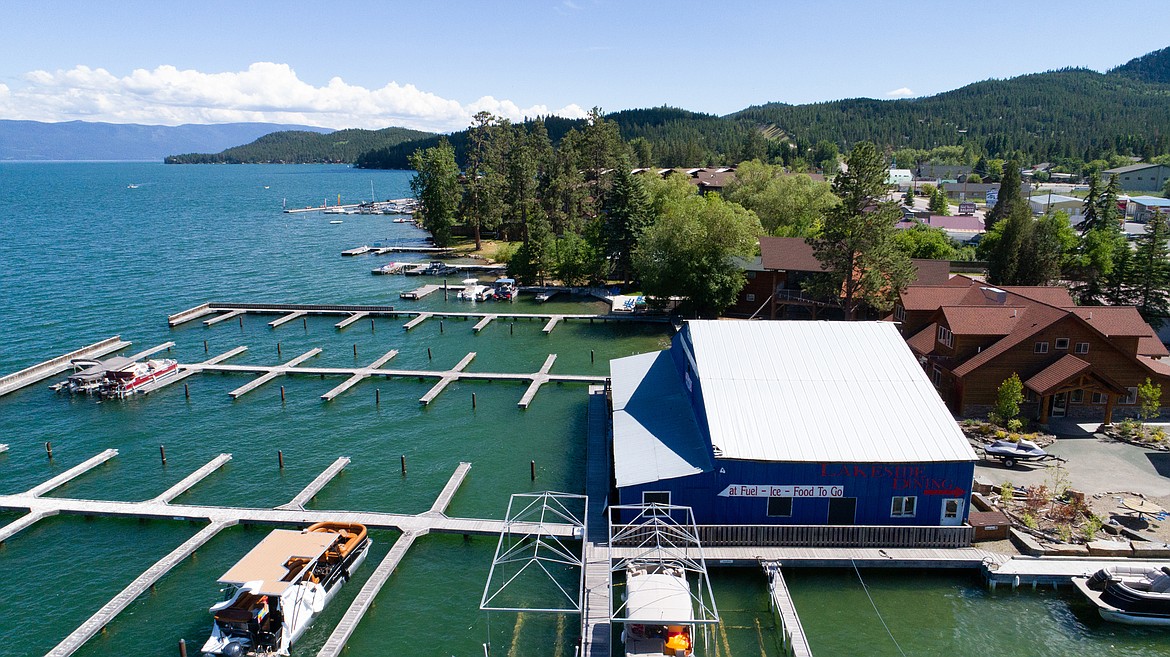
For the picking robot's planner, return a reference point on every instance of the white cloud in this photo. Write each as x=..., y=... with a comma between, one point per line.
x=904, y=92
x=266, y=91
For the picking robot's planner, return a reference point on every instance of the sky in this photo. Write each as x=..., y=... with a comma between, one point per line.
x=432, y=64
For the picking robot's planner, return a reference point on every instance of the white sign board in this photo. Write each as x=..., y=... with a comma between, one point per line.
x=765, y=490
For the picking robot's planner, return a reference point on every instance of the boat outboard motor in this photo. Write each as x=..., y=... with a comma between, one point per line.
x=233, y=649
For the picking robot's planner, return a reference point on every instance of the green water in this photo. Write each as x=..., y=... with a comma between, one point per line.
x=85, y=258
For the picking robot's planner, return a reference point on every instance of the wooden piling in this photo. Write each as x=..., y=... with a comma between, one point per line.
x=532, y=469
x=590, y=355
x=241, y=318
x=473, y=401
x=511, y=328
x=429, y=357
x=280, y=458
x=440, y=326
x=305, y=323
x=182, y=648
x=205, y=346
x=186, y=391
x=282, y=394
x=278, y=350
x=372, y=326
x=49, y=449
x=404, y=465
x=162, y=452
x=377, y=396
x=355, y=350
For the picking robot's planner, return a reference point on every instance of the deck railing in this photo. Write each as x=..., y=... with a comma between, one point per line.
x=861, y=536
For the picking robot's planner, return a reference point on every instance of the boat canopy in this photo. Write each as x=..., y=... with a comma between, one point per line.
x=509, y=281
x=98, y=369
x=658, y=599
x=269, y=561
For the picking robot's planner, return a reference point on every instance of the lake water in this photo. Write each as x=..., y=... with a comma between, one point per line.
x=86, y=257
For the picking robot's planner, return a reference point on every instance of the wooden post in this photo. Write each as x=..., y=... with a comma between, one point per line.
x=591, y=356
x=532, y=469
x=372, y=326
x=1109, y=398
x=186, y=391
x=241, y=318
x=205, y=346
x=162, y=452
x=473, y=401
x=182, y=648
x=429, y=353
x=511, y=328
x=440, y=326
x=280, y=458
x=278, y=350
x=355, y=350
x=282, y=394
x=404, y=465
x=305, y=323
x=377, y=396
x=49, y=450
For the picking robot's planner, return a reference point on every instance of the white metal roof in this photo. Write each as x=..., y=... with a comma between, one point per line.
x=655, y=435
x=820, y=391
x=658, y=599
x=267, y=562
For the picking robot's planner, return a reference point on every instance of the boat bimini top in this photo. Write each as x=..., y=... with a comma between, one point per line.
x=277, y=561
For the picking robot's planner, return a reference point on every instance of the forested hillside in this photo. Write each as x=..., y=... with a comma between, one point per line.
x=303, y=147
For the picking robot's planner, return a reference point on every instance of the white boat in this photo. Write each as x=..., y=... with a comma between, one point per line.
x=281, y=585
x=1133, y=595
x=659, y=615
x=472, y=290
x=336, y=221
x=389, y=268
x=505, y=289
x=116, y=377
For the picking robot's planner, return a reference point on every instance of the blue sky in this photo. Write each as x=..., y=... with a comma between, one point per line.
x=432, y=64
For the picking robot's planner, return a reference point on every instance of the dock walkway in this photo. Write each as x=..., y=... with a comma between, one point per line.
x=316, y=485
x=1020, y=570
x=271, y=374
x=596, y=607
x=42, y=371
x=792, y=632
x=168, y=496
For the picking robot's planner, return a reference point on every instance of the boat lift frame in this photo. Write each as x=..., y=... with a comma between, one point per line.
x=662, y=533
x=518, y=544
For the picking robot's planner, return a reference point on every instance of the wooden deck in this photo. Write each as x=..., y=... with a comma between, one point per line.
x=42, y=371
x=274, y=372
x=1020, y=570
x=316, y=485
x=792, y=632
x=190, y=480
x=596, y=606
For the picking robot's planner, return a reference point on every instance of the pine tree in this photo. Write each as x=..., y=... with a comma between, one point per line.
x=1151, y=271
x=436, y=186
x=627, y=214
x=1091, y=206
x=1107, y=209
x=1009, y=194
x=1005, y=250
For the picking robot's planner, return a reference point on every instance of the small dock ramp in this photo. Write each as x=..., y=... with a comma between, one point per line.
x=795, y=641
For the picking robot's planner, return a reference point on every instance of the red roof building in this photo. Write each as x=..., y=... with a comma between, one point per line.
x=1079, y=361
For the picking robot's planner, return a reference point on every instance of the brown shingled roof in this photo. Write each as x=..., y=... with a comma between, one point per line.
x=788, y=254
x=932, y=272
x=1051, y=295
x=923, y=341
x=1123, y=321
x=1033, y=320
x=1055, y=374
x=982, y=320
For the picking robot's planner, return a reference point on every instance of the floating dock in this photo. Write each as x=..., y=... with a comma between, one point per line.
x=792, y=632
x=53, y=366
x=597, y=605
x=233, y=310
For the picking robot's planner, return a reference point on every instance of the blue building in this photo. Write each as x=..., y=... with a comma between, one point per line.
x=788, y=423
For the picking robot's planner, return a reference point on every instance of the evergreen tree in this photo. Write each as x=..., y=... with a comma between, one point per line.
x=1009, y=194
x=1151, y=271
x=939, y=205
x=1045, y=254
x=627, y=214
x=1107, y=208
x=1091, y=206
x=856, y=244
x=480, y=208
x=436, y=186
x=1004, y=245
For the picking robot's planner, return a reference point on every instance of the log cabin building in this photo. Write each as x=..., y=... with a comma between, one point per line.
x=1076, y=361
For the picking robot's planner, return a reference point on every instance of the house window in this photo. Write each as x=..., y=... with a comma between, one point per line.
x=1041, y=348
x=751, y=275
x=1078, y=396
x=1082, y=348
x=945, y=336
x=1062, y=343
x=936, y=376
x=1131, y=398
x=900, y=312
x=751, y=297
x=1099, y=398
x=780, y=507
x=903, y=507
x=656, y=497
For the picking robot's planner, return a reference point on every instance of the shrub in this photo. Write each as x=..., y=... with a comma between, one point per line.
x=1007, y=492
x=1030, y=520
x=1015, y=424
x=1064, y=531
x=1008, y=399
x=1158, y=434
x=1091, y=527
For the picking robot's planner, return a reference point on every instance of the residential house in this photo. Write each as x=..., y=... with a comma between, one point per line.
x=941, y=171
x=1077, y=361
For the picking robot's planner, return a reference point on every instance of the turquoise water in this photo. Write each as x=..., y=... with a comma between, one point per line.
x=84, y=257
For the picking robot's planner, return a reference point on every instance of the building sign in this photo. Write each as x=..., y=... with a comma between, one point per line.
x=992, y=196
x=966, y=208
x=765, y=490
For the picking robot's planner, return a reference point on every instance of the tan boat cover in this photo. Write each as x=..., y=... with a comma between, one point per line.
x=266, y=562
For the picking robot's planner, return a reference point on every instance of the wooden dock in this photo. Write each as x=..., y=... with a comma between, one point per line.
x=447, y=378
x=222, y=318
x=828, y=557
x=539, y=379
x=287, y=318
x=186, y=371
x=482, y=324
x=72, y=473
x=167, y=496
x=422, y=317
x=229, y=311
x=315, y=486
x=792, y=631
x=42, y=371
x=128, y=595
x=351, y=319
x=596, y=605
x=448, y=493
x=1020, y=570
x=429, y=289
x=359, y=376
x=271, y=374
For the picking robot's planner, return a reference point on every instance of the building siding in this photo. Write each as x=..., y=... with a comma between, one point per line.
x=874, y=485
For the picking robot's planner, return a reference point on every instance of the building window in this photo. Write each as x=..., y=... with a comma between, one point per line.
x=1099, y=398
x=1041, y=348
x=656, y=497
x=1062, y=343
x=936, y=377
x=751, y=297
x=903, y=507
x=751, y=275
x=945, y=336
x=1078, y=396
x=951, y=508
x=1131, y=398
x=899, y=312
x=780, y=507
x=1082, y=348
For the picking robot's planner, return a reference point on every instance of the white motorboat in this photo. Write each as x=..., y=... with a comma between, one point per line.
x=116, y=377
x=659, y=615
x=281, y=585
x=472, y=290
x=1133, y=595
